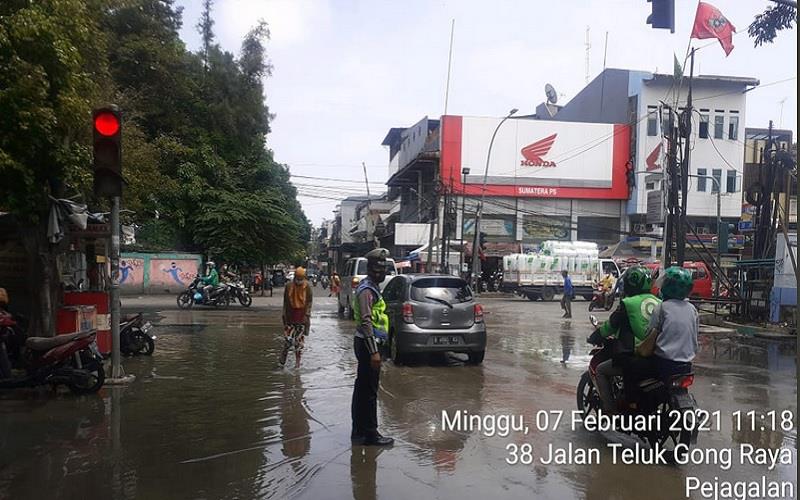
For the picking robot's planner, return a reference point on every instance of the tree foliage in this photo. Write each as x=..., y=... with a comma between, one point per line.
x=200, y=177
x=765, y=26
x=51, y=72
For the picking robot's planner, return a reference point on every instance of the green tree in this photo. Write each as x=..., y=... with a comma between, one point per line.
x=765, y=26
x=52, y=70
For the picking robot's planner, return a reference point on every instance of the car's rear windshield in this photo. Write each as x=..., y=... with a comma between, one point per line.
x=452, y=290
x=361, y=268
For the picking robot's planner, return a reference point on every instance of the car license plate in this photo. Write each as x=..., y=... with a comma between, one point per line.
x=445, y=340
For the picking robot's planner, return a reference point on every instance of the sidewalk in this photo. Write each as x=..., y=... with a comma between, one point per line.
x=169, y=301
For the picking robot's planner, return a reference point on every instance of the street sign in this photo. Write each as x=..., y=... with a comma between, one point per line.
x=745, y=225
x=655, y=207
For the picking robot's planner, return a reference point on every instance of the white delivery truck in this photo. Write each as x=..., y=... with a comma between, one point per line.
x=538, y=275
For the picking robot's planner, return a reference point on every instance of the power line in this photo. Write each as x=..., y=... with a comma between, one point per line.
x=349, y=181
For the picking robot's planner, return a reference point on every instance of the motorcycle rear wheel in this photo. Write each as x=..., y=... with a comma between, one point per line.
x=670, y=440
x=146, y=342
x=586, y=395
x=97, y=376
x=245, y=299
x=185, y=300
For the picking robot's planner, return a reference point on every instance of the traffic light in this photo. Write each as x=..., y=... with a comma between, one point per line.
x=107, y=141
x=723, y=235
x=662, y=14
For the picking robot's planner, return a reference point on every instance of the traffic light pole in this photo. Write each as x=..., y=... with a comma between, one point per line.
x=116, y=367
x=680, y=237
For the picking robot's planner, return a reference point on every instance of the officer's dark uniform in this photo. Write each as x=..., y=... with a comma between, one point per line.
x=364, y=407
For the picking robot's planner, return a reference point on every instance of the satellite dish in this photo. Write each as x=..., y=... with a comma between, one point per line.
x=550, y=91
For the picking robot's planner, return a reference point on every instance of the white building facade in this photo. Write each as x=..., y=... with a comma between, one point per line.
x=717, y=136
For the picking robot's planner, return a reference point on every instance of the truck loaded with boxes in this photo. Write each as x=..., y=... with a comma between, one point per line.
x=538, y=275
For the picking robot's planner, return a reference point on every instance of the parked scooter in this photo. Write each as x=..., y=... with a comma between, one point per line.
x=218, y=297
x=669, y=399
x=601, y=299
x=135, y=338
x=239, y=292
x=72, y=360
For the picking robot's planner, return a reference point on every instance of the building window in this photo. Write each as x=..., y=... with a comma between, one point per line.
x=649, y=185
x=598, y=228
x=701, y=179
x=652, y=121
x=719, y=126
x=717, y=175
x=703, y=132
x=731, y=185
x=733, y=127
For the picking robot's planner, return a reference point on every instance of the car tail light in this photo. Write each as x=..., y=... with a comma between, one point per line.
x=478, y=313
x=683, y=382
x=408, y=313
x=354, y=283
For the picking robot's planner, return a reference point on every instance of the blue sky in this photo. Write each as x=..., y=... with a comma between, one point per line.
x=346, y=71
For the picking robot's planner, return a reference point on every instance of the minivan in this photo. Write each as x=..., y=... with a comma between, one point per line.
x=354, y=271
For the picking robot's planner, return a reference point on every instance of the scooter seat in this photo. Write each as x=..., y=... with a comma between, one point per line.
x=47, y=343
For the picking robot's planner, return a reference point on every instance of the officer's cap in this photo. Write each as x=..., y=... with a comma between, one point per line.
x=377, y=254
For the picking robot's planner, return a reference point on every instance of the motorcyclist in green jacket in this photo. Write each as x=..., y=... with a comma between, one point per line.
x=211, y=280
x=628, y=323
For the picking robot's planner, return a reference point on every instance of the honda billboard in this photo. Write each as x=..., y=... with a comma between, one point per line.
x=536, y=158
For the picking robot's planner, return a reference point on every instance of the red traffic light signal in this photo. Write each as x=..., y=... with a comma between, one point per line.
x=106, y=123
x=107, y=142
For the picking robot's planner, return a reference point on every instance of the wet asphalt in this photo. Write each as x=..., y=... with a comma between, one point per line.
x=212, y=415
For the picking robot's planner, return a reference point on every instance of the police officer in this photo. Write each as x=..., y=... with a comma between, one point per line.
x=370, y=315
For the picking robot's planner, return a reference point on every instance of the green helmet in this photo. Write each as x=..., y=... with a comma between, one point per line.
x=636, y=280
x=677, y=283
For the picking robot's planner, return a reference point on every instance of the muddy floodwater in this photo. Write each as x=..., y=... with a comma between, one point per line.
x=211, y=415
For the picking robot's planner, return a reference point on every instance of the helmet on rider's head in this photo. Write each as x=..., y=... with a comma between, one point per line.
x=211, y=264
x=636, y=280
x=677, y=283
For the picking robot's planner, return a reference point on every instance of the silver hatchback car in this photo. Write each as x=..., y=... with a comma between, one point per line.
x=433, y=313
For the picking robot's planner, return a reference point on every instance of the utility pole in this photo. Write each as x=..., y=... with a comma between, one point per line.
x=444, y=243
x=671, y=181
x=464, y=174
x=686, y=133
x=431, y=234
x=368, y=219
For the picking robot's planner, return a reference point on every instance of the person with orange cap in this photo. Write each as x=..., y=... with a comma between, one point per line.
x=297, y=299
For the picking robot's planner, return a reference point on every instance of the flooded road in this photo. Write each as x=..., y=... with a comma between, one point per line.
x=211, y=415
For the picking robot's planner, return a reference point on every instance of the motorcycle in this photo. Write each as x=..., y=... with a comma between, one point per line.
x=325, y=282
x=669, y=399
x=72, y=360
x=193, y=295
x=135, y=338
x=601, y=299
x=239, y=292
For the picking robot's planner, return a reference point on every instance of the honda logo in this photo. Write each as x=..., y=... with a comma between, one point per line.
x=533, y=153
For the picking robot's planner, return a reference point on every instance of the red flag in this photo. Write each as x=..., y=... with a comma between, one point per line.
x=710, y=23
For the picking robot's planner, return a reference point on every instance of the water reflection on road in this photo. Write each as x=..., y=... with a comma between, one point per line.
x=211, y=415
